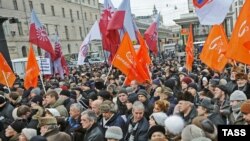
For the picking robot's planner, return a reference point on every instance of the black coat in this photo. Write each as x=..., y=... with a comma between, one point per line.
x=94, y=134
x=6, y=114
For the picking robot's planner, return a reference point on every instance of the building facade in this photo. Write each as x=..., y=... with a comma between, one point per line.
x=70, y=19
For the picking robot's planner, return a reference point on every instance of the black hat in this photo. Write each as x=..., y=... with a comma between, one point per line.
x=156, y=128
x=38, y=99
x=132, y=97
x=105, y=95
x=2, y=100
x=65, y=92
x=193, y=85
x=99, y=85
x=186, y=96
x=38, y=138
x=206, y=103
x=223, y=88
x=73, y=95
x=18, y=125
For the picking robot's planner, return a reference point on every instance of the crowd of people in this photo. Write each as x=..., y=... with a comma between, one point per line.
x=88, y=105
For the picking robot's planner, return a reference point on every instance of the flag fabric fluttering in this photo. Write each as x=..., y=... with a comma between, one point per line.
x=32, y=70
x=189, y=50
x=38, y=35
x=110, y=43
x=60, y=65
x=211, y=12
x=127, y=62
x=94, y=34
x=215, y=47
x=122, y=20
x=151, y=35
x=239, y=45
x=7, y=77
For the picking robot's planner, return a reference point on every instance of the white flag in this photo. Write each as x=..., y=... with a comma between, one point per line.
x=94, y=34
x=211, y=12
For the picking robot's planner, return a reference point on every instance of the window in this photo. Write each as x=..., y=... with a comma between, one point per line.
x=24, y=51
x=56, y=29
x=78, y=16
x=96, y=17
x=63, y=12
x=20, y=28
x=80, y=29
x=31, y=5
x=39, y=51
x=15, y=5
x=69, y=49
x=85, y=15
x=53, y=10
x=42, y=8
x=88, y=1
x=87, y=29
x=71, y=15
x=66, y=32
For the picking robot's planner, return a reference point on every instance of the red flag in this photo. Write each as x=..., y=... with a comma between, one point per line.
x=151, y=35
x=189, y=50
x=38, y=35
x=126, y=60
x=122, y=19
x=239, y=45
x=213, y=52
x=32, y=70
x=111, y=38
x=7, y=77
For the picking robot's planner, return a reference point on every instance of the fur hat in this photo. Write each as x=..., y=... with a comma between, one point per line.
x=241, y=76
x=187, y=80
x=105, y=94
x=191, y=132
x=38, y=99
x=53, y=111
x=29, y=133
x=186, y=96
x=36, y=91
x=2, y=100
x=65, y=93
x=38, y=138
x=155, y=128
x=18, y=125
x=47, y=121
x=107, y=106
x=206, y=103
x=245, y=107
x=159, y=118
x=174, y=124
x=238, y=95
x=144, y=93
x=114, y=132
x=193, y=85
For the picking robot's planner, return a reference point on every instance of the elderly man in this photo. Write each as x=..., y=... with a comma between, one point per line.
x=93, y=131
x=137, y=124
x=50, y=130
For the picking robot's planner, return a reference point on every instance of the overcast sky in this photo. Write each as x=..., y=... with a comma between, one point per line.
x=166, y=7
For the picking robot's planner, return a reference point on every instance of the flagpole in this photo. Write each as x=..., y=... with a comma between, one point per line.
x=41, y=78
x=6, y=81
x=108, y=74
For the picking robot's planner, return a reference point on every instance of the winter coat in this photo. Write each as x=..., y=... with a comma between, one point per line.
x=141, y=133
x=224, y=108
x=6, y=114
x=238, y=121
x=216, y=119
x=60, y=107
x=56, y=135
x=94, y=133
x=34, y=120
x=191, y=115
x=231, y=86
x=246, y=90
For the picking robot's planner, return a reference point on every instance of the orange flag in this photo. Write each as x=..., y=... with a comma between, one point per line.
x=239, y=45
x=189, y=50
x=215, y=47
x=126, y=60
x=144, y=60
x=32, y=70
x=7, y=77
